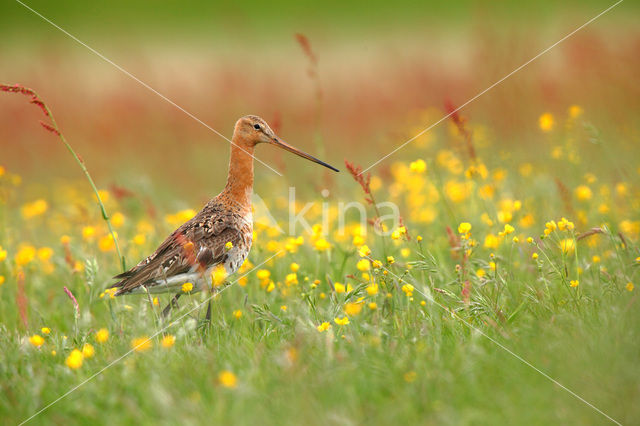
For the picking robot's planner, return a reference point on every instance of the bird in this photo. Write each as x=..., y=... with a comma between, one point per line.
x=219, y=235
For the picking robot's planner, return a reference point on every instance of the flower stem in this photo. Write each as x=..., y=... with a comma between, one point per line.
x=103, y=210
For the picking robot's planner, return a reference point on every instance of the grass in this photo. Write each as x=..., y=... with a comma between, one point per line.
x=423, y=355
x=478, y=258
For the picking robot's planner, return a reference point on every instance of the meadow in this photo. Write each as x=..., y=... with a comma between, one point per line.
x=485, y=274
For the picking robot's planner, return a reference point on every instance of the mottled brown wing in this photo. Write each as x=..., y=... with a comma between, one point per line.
x=196, y=246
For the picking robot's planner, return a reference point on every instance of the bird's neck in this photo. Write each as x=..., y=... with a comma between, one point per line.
x=240, y=179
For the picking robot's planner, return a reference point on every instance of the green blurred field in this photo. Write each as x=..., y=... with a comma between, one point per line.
x=558, y=139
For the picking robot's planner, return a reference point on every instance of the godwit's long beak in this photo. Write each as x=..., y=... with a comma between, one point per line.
x=282, y=144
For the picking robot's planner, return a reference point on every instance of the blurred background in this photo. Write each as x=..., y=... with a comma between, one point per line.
x=378, y=72
x=341, y=80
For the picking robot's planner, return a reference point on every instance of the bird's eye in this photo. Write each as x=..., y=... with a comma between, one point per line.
x=256, y=126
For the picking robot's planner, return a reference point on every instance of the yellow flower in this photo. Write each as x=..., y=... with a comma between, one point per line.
x=373, y=306
x=218, y=276
x=419, y=238
x=546, y=122
x=410, y=376
x=102, y=335
x=25, y=255
x=35, y=208
x=139, y=239
x=341, y=321
x=363, y=265
x=88, y=232
x=364, y=251
x=45, y=253
x=464, y=228
x=353, y=309
x=111, y=292
x=187, y=287
x=180, y=217
x=117, y=219
x=65, y=240
x=263, y=274
x=168, y=341
x=505, y=216
x=575, y=111
x=564, y=224
x=418, y=166
x=292, y=244
x=458, y=191
x=574, y=283
x=621, y=189
x=103, y=194
x=271, y=287
x=3, y=254
x=283, y=308
x=595, y=258
x=237, y=314
x=405, y=252
x=291, y=279
x=508, y=229
x=87, y=350
x=527, y=221
x=568, y=245
x=491, y=241
x=106, y=243
x=629, y=286
x=583, y=193
x=141, y=344
x=36, y=340
x=2, y=279
x=408, y=290
x=534, y=256
x=372, y=289
x=358, y=240
x=629, y=227
x=74, y=360
x=321, y=244
x=480, y=273
x=227, y=379
x=324, y=327
x=340, y=288
x=45, y=330
x=294, y=267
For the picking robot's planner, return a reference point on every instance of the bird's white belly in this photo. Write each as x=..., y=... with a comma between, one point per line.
x=236, y=257
x=174, y=284
x=238, y=254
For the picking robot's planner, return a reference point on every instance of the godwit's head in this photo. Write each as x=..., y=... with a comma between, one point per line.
x=252, y=130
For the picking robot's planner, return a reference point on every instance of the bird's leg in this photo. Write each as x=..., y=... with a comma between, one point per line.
x=208, y=284
x=171, y=305
x=208, y=316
